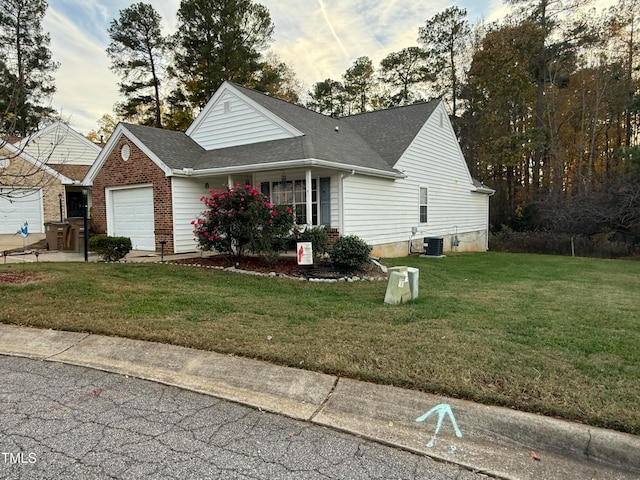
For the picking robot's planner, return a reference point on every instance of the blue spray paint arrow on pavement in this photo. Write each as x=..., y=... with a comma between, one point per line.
x=442, y=410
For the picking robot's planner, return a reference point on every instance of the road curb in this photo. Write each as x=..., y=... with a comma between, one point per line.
x=497, y=441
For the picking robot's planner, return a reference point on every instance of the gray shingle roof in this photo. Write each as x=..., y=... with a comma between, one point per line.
x=175, y=149
x=391, y=131
x=374, y=140
x=323, y=141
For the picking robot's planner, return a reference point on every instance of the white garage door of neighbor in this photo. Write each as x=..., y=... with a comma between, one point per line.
x=25, y=204
x=133, y=216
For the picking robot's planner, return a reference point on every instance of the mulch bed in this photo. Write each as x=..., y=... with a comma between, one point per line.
x=283, y=266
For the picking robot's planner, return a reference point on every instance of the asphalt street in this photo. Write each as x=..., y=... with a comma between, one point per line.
x=61, y=421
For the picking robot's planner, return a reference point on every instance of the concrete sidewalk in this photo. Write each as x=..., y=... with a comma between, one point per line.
x=499, y=442
x=23, y=250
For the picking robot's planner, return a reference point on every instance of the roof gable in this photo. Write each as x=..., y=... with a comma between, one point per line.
x=232, y=118
x=59, y=144
x=370, y=143
x=390, y=132
x=168, y=149
x=15, y=152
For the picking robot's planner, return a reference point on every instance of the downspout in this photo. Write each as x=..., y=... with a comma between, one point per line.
x=488, y=213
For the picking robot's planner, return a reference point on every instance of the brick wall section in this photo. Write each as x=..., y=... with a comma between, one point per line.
x=333, y=234
x=137, y=170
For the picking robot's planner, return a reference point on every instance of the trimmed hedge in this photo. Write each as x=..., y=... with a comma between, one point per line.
x=111, y=249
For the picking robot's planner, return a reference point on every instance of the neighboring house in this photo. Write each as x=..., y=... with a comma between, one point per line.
x=391, y=177
x=41, y=178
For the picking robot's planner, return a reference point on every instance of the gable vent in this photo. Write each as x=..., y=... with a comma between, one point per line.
x=227, y=107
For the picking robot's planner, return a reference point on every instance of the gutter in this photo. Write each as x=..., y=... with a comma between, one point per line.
x=310, y=162
x=484, y=189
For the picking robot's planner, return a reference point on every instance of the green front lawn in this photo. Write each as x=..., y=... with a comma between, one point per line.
x=554, y=335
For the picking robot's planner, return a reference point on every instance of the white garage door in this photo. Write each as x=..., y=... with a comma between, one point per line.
x=25, y=205
x=132, y=211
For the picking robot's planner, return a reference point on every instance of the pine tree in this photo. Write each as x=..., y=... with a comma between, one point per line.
x=218, y=40
x=26, y=68
x=136, y=51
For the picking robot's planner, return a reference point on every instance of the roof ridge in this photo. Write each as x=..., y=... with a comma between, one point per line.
x=394, y=107
x=267, y=95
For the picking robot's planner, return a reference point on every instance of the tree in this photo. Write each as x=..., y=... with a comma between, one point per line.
x=546, y=14
x=404, y=69
x=218, y=40
x=327, y=97
x=106, y=126
x=500, y=94
x=277, y=79
x=136, y=51
x=445, y=37
x=625, y=19
x=26, y=68
x=241, y=219
x=179, y=114
x=359, y=82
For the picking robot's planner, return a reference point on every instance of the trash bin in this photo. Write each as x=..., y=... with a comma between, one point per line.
x=55, y=233
x=75, y=236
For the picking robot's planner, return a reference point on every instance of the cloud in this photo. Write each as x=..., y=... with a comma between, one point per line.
x=333, y=32
x=86, y=88
x=329, y=37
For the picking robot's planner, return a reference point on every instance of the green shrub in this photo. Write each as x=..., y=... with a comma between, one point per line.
x=319, y=239
x=350, y=253
x=111, y=249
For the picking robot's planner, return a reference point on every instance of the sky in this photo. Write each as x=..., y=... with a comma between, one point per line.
x=319, y=39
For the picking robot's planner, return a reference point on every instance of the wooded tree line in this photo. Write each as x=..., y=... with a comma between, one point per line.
x=545, y=102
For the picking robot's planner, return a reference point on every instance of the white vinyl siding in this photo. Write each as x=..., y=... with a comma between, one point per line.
x=233, y=121
x=434, y=160
x=384, y=211
x=59, y=145
x=186, y=193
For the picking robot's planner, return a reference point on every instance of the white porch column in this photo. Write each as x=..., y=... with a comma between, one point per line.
x=230, y=181
x=309, y=197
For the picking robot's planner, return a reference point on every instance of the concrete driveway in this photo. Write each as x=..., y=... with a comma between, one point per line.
x=11, y=242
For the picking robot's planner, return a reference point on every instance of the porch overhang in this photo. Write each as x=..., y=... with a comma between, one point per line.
x=287, y=164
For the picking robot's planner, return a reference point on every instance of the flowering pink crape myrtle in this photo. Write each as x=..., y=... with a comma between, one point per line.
x=241, y=220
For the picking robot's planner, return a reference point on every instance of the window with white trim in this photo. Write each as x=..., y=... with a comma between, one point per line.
x=424, y=200
x=294, y=194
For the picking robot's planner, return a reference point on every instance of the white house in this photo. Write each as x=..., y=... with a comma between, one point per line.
x=392, y=177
